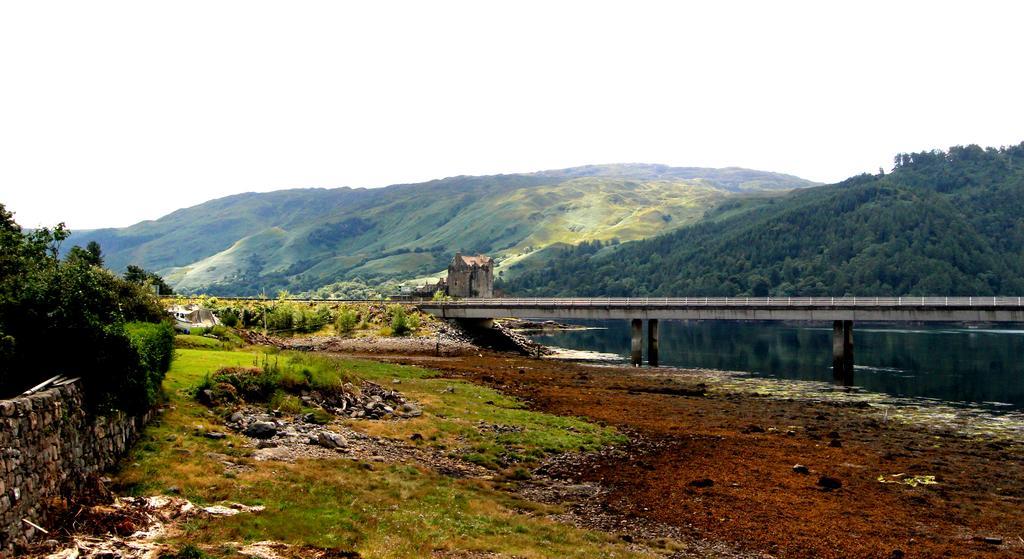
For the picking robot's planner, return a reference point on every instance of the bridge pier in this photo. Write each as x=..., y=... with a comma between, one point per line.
x=652, y=342
x=637, y=329
x=842, y=352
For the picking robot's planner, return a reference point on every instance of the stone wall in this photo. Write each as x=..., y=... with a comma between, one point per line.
x=48, y=444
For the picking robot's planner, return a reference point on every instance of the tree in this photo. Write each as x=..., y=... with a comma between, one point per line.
x=82, y=310
x=139, y=276
x=91, y=255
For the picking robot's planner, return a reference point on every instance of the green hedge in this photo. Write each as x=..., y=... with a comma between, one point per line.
x=154, y=344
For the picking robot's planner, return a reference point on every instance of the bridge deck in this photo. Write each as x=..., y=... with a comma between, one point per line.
x=881, y=309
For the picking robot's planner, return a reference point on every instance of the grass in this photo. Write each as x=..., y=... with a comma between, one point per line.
x=381, y=511
x=453, y=411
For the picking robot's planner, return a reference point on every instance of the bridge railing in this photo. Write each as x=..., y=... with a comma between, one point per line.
x=761, y=302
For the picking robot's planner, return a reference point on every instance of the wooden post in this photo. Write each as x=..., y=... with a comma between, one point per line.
x=637, y=328
x=652, y=342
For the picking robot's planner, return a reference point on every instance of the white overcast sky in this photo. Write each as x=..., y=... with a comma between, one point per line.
x=115, y=112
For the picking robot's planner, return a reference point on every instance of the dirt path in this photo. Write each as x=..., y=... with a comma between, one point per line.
x=724, y=465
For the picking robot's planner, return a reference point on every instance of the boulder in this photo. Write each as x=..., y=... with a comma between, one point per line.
x=261, y=430
x=330, y=439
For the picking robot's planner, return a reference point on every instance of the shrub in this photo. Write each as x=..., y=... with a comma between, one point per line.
x=346, y=322
x=287, y=403
x=280, y=318
x=154, y=343
x=68, y=317
x=228, y=317
x=399, y=321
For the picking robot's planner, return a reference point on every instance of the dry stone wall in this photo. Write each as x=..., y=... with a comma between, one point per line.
x=49, y=443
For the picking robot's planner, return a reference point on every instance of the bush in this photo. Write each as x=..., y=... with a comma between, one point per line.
x=228, y=317
x=69, y=318
x=155, y=346
x=400, y=325
x=346, y=322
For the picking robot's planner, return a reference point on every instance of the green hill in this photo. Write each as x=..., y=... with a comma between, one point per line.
x=942, y=223
x=334, y=241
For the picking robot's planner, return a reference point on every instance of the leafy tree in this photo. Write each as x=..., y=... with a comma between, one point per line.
x=139, y=276
x=91, y=255
x=70, y=318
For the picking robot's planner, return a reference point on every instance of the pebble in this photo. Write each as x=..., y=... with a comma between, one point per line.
x=801, y=469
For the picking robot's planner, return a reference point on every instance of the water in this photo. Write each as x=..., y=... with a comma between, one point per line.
x=951, y=363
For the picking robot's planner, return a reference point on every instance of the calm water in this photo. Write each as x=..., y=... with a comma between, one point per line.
x=984, y=365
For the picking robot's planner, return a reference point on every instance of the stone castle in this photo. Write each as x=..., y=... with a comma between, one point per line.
x=470, y=276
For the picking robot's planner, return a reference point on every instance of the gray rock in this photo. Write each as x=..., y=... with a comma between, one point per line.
x=261, y=430
x=236, y=417
x=215, y=435
x=801, y=469
x=330, y=439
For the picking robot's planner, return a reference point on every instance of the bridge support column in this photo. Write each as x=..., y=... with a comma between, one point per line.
x=652, y=342
x=637, y=329
x=842, y=352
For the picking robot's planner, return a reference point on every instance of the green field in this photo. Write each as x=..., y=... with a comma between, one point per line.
x=379, y=510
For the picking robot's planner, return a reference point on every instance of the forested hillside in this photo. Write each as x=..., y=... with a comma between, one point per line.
x=351, y=242
x=941, y=223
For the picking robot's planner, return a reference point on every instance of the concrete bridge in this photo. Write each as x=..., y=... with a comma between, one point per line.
x=841, y=311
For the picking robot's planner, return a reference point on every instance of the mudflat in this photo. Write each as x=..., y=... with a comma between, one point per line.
x=789, y=477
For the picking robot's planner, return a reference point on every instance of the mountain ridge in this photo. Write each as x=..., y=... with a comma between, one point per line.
x=303, y=239
x=941, y=223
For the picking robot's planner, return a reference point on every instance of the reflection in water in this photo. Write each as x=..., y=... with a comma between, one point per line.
x=949, y=363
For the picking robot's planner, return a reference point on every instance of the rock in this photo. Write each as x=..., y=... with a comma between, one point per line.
x=266, y=444
x=991, y=540
x=448, y=390
x=261, y=430
x=416, y=437
x=829, y=483
x=216, y=435
x=836, y=443
x=897, y=554
x=753, y=429
x=236, y=417
x=396, y=381
x=801, y=469
x=174, y=490
x=330, y=439
x=702, y=483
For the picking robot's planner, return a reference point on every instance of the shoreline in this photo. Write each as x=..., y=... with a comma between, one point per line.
x=720, y=448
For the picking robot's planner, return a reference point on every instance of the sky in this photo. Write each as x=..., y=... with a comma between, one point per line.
x=116, y=112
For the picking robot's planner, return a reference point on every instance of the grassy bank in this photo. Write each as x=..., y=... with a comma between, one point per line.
x=378, y=509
